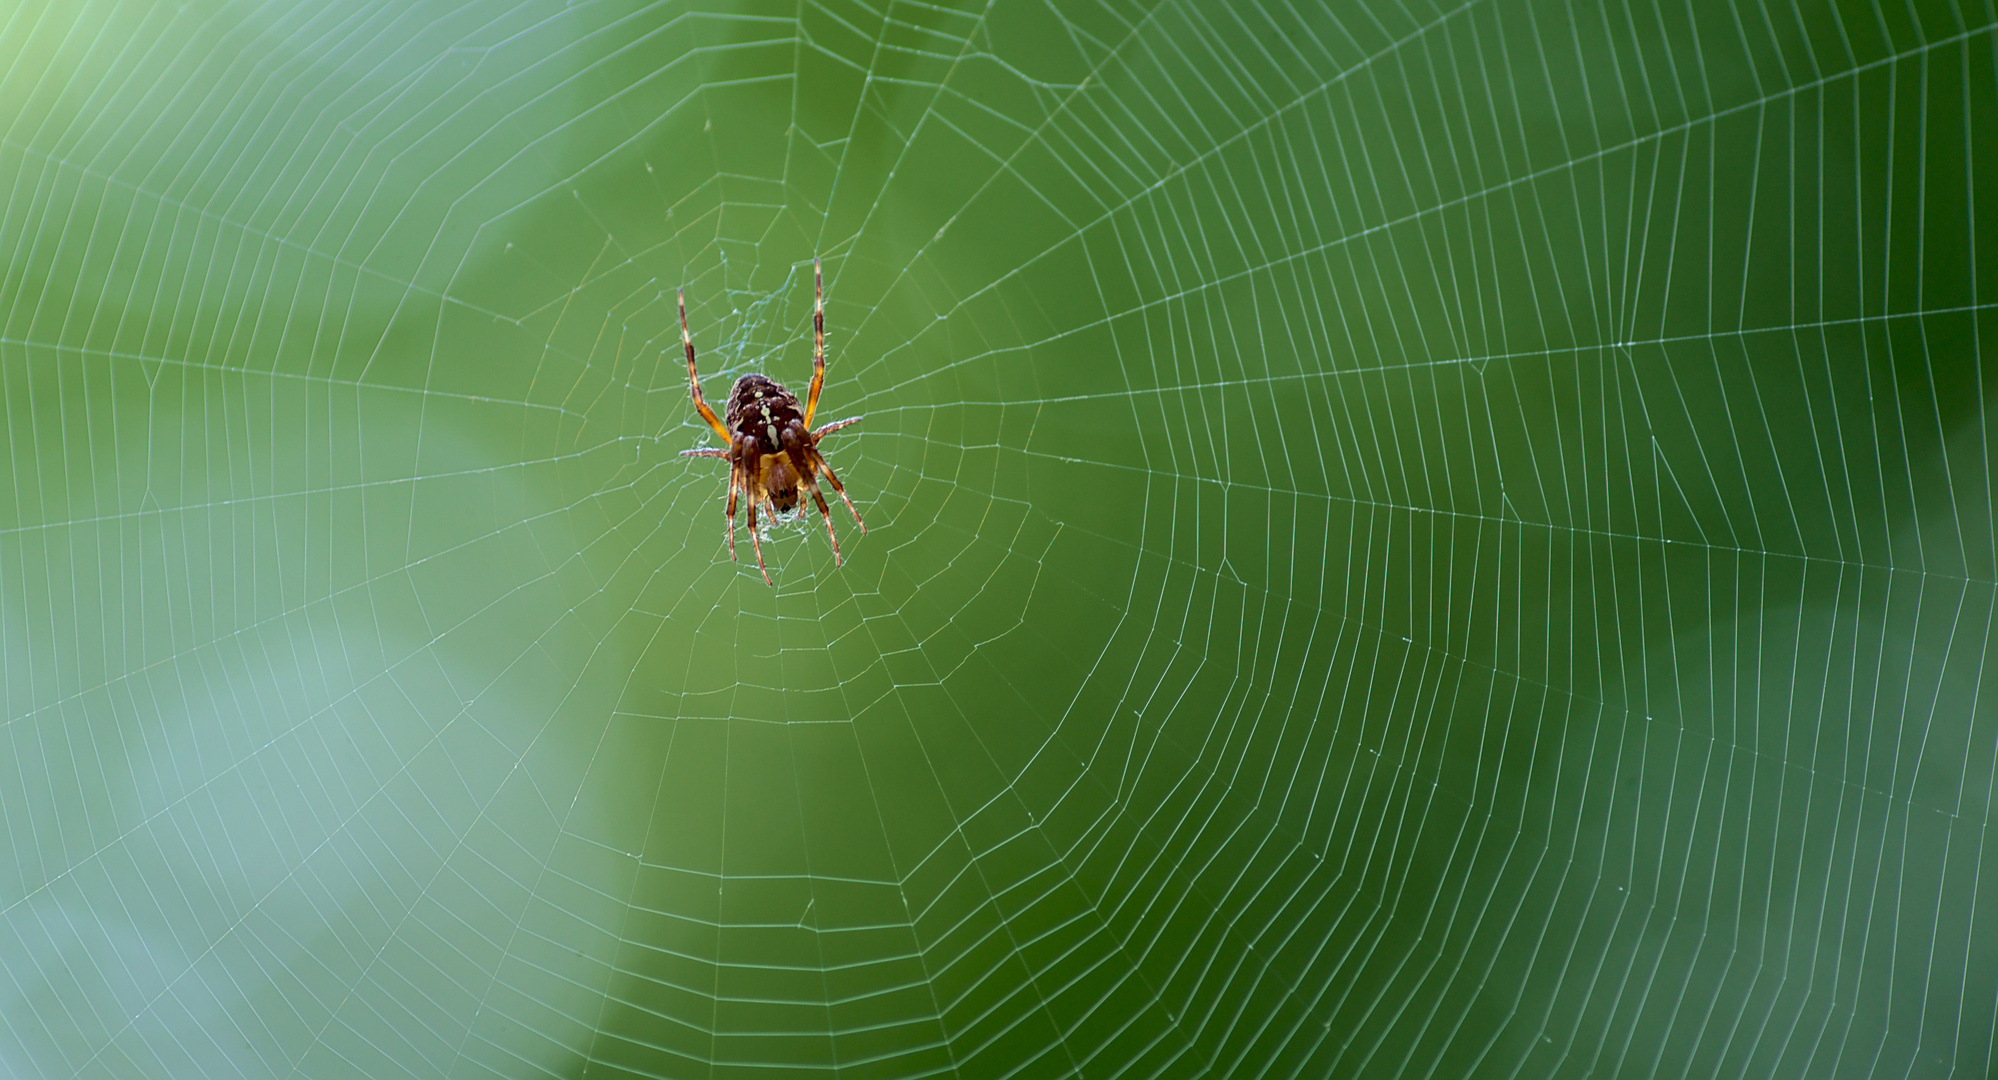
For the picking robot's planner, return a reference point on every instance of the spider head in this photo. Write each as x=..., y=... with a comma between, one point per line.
x=780, y=480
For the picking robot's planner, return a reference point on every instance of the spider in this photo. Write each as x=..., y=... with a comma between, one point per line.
x=771, y=451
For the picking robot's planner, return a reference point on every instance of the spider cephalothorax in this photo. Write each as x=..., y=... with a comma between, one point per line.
x=772, y=451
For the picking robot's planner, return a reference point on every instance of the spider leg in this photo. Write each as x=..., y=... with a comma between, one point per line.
x=734, y=485
x=818, y=342
x=706, y=451
x=693, y=377
x=756, y=537
x=819, y=463
x=832, y=427
x=825, y=513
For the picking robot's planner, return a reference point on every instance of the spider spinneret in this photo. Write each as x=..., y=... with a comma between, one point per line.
x=772, y=452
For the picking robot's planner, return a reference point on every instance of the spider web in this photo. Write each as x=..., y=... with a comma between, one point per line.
x=1401, y=541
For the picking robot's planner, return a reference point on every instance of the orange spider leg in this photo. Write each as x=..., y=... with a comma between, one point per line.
x=734, y=485
x=694, y=377
x=819, y=463
x=818, y=343
x=756, y=537
x=825, y=514
x=832, y=427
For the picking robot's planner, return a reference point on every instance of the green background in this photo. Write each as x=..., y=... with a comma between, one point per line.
x=1401, y=540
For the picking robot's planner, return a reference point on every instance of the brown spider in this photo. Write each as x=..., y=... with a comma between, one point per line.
x=771, y=450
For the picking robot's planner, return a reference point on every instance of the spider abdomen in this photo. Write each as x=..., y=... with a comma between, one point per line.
x=760, y=407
